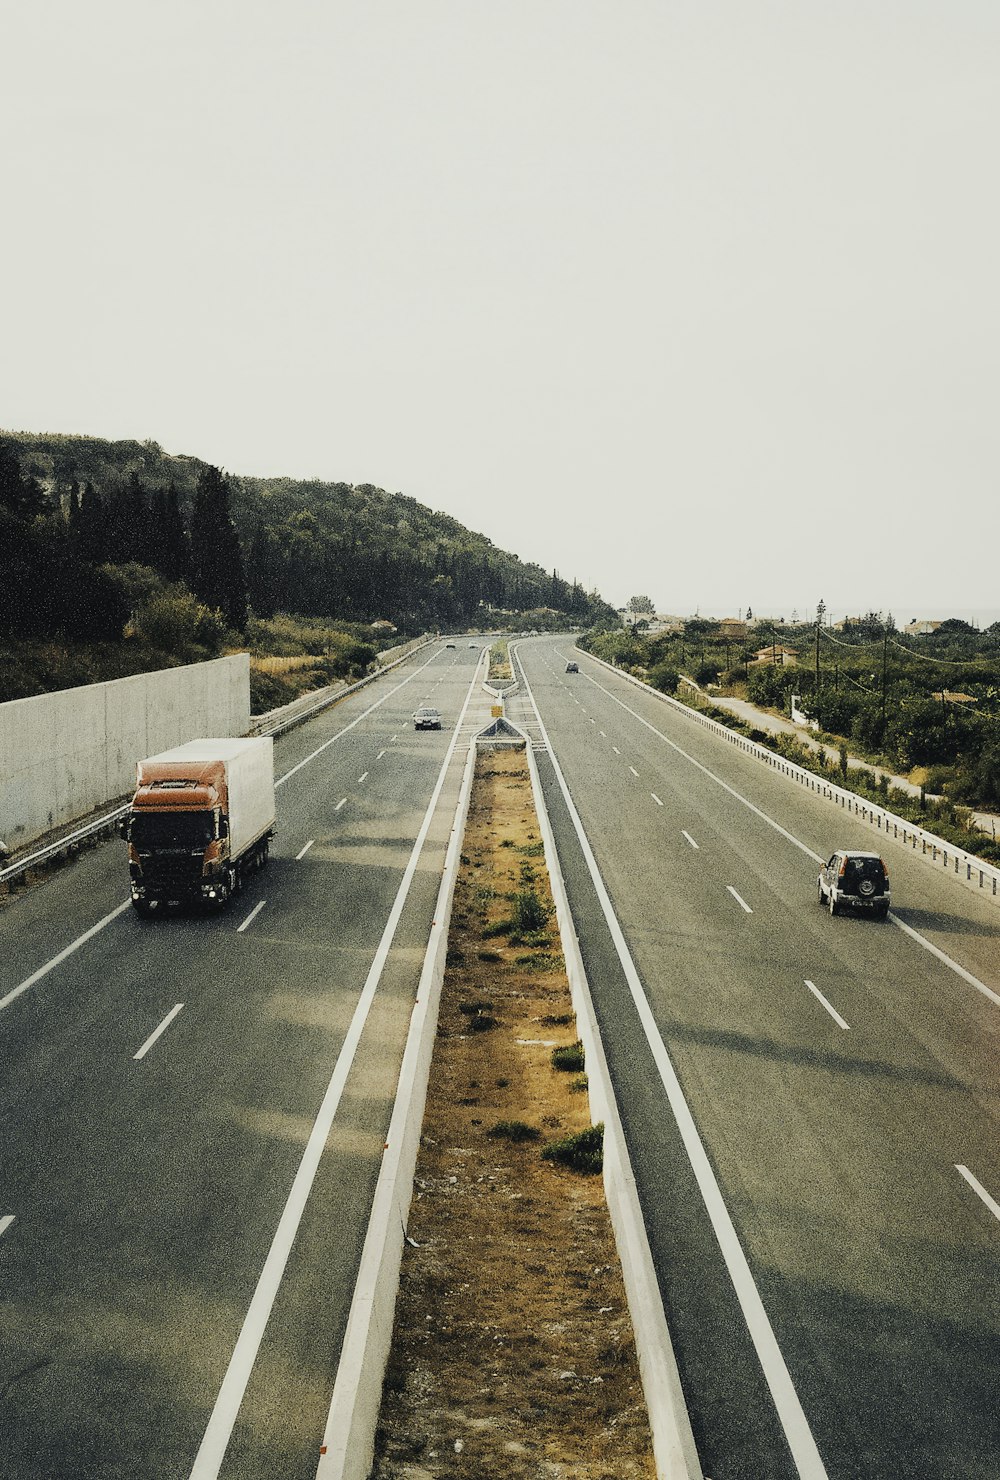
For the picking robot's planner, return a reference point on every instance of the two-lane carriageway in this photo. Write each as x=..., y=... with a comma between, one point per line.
x=812, y=1103
x=193, y=1111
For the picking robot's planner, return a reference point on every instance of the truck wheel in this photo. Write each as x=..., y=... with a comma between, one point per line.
x=143, y=908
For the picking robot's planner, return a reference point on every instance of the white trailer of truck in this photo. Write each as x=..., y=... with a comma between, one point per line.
x=202, y=818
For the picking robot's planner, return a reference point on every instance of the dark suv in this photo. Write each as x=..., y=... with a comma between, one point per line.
x=855, y=880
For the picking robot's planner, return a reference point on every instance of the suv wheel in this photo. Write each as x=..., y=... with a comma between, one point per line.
x=820, y=896
x=833, y=903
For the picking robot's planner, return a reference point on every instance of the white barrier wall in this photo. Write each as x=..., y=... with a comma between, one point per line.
x=63, y=754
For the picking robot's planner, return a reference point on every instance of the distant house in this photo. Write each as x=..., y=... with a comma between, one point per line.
x=782, y=657
x=733, y=628
x=921, y=629
x=948, y=696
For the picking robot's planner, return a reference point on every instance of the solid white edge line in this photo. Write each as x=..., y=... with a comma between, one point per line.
x=689, y=838
x=36, y=976
x=346, y=1451
x=5, y=1222
x=786, y=1400
x=979, y=1189
x=144, y=1050
x=674, y=1449
x=921, y=940
x=212, y=1450
x=831, y=1010
x=739, y=900
x=252, y=915
x=936, y=951
x=302, y=852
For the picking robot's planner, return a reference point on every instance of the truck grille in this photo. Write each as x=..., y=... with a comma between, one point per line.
x=169, y=870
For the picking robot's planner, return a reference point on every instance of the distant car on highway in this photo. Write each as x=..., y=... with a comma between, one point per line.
x=449, y=644
x=572, y=667
x=853, y=880
x=426, y=718
x=473, y=644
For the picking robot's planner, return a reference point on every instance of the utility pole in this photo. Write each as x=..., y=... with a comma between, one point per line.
x=817, y=655
x=885, y=664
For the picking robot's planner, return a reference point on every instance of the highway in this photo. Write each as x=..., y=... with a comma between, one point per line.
x=813, y=1111
x=194, y=1110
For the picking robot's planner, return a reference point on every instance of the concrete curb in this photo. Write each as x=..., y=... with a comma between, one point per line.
x=349, y=1439
x=674, y=1449
x=965, y=868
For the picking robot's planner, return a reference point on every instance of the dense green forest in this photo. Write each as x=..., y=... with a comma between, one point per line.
x=924, y=706
x=120, y=547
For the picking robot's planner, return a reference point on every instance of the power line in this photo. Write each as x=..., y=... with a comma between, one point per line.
x=926, y=658
x=854, y=647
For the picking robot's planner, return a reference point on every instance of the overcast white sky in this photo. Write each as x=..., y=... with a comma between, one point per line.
x=692, y=299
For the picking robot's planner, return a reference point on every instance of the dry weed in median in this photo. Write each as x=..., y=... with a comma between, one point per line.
x=513, y=1353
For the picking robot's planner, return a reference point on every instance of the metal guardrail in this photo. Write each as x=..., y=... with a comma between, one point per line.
x=71, y=842
x=68, y=844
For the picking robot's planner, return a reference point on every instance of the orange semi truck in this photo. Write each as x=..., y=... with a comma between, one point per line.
x=202, y=818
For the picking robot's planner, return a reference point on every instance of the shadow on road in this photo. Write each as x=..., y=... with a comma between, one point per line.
x=940, y=920
x=853, y=1067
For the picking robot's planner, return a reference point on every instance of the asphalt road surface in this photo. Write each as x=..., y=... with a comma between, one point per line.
x=193, y=1109
x=825, y=1227
x=192, y=1128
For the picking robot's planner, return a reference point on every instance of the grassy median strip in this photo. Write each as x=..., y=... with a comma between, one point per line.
x=513, y=1348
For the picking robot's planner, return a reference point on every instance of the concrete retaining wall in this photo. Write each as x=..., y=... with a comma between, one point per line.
x=63, y=754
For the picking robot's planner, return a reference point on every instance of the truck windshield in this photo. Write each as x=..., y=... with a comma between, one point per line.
x=171, y=829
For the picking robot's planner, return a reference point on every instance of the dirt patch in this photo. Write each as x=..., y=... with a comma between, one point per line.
x=513, y=1351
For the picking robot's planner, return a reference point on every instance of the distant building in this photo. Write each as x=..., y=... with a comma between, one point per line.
x=733, y=628
x=948, y=696
x=781, y=657
x=655, y=621
x=921, y=629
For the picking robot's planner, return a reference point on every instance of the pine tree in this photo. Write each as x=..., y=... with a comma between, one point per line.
x=176, y=550
x=217, y=574
x=19, y=496
x=92, y=532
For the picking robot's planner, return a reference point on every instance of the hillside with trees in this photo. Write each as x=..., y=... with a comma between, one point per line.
x=119, y=556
